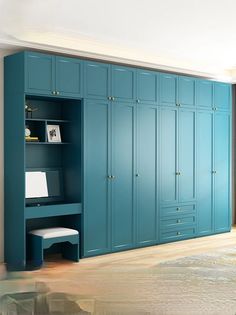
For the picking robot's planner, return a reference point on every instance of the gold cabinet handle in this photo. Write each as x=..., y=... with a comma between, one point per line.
x=138, y=100
x=54, y=92
x=178, y=209
x=178, y=233
x=112, y=98
x=137, y=175
x=178, y=221
x=109, y=98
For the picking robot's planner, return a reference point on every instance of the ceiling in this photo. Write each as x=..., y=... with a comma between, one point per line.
x=191, y=36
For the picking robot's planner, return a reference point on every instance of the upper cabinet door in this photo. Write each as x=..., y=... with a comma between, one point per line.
x=204, y=94
x=147, y=88
x=40, y=73
x=222, y=95
x=68, y=77
x=186, y=91
x=123, y=83
x=97, y=80
x=168, y=86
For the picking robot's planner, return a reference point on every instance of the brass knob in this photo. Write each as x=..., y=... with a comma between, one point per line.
x=109, y=98
x=177, y=173
x=138, y=101
x=57, y=93
x=178, y=221
x=112, y=177
x=54, y=92
x=112, y=98
x=178, y=233
x=178, y=209
x=137, y=175
x=109, y=177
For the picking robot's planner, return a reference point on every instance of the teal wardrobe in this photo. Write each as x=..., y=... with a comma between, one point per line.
x=145, y=156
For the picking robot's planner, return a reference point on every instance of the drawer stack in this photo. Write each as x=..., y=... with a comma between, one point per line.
x=177, y=222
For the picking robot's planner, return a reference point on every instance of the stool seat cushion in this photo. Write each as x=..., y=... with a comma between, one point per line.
x=54, y=232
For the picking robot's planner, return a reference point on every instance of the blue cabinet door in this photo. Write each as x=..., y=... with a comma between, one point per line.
x=147, y=86
x=39, y=73
x=204, y=94
x=186, y=154
x=168, y=89
x=222, y=95
x=123, y=83
x=69, y=77
x=96, y=209
x=186, y=91
x=123, y=116
x=96, y=80
x=204, y=172
x=146, y=175
x=168, y=155
x=222, y=169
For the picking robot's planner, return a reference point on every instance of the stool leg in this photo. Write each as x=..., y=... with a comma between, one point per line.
x=70, y=251
x=37, y=250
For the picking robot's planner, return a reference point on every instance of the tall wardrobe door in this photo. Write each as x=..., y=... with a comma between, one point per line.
x=222, y=175
x=146, y=176
x=96, y=165
x=123, y=176
x=204, y=172
x=186, y=155
x=168, y=155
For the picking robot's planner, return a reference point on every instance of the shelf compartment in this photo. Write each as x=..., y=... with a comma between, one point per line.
x=46, y=211
x=48, y=120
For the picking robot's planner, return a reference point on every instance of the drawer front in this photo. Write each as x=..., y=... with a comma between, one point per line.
x=178, y=234
x=177, y=222
x=177, y=210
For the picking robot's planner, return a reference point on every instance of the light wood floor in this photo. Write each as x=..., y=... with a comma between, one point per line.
x=133, y=282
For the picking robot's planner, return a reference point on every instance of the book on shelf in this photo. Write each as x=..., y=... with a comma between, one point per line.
x=32, y=139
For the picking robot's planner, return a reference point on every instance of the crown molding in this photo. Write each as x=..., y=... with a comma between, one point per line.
x=13, y=44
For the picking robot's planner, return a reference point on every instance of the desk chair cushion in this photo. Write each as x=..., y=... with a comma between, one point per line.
x=54, y=232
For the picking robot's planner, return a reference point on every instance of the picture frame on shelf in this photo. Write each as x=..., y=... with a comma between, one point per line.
x=53, y=133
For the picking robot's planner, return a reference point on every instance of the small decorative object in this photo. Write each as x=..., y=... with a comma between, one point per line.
x=28, y=137
x=54, y=134
x=27, y=132
x=29, y=111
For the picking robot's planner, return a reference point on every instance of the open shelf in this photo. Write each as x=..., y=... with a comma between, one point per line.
x=52, y=210
x=48, y=120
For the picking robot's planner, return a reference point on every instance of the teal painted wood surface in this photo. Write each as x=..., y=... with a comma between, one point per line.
x=123, y=142
x=127, y=164
x=53, y=75
x=204, y=94
x=97, y=81
x=147, y=86
x=69, y=78
x=168, y=155
x=186, y=91
x=222, y=95
x=52, y=210
x=97, y=168
x=147, y=174
x=123, y=83
x=186, y=155
x=204, y=172
x=14, y=163
x=222, y=171
x=168, y=89
x=40, y=73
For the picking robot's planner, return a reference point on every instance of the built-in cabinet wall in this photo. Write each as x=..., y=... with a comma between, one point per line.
x=156, y=150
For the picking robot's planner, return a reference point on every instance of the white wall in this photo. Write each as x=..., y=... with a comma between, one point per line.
x=2, y=54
